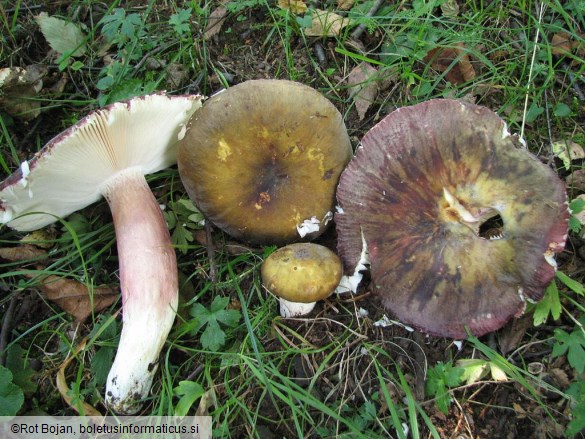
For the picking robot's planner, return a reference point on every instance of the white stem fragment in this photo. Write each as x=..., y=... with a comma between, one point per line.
x=350, y=283
x=149, y=284
x=295, y=309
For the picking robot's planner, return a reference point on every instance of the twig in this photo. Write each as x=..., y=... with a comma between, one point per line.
x=357, y=33
x=210, y=252
x=6, y=327
x=540, y=14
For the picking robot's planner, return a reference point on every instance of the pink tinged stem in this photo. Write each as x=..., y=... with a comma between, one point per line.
x=149, y=284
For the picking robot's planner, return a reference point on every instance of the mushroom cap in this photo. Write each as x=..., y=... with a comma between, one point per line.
x=303, y=272
x=264, y=156
x=68, y=173
x=418, y=190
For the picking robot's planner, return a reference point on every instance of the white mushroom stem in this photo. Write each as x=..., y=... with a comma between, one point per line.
x=149, y=284
x=295, y=309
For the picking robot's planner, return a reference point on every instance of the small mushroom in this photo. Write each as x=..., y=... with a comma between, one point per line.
x=300, y=275
x=107, y=154
x=416, y=202
x=262, y=160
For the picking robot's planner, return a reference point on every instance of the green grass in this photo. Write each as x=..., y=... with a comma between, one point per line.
x=334, y=374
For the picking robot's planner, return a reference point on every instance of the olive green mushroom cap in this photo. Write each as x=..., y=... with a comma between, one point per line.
x=302, y=272
x=262, y=160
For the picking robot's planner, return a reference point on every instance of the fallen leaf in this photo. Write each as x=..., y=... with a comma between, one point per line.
x=80, y=407
x=215, y=21
x=326, y=24
x=176, y=75
x=560, y=377
x=295, y=6
x=577, y=180
x=73, y=297
x=452, y=60
x=567, y=151
x=561, y=43
x=363, y=87
x=26, y=252
x=345, y=4
x=41, y=238
x=63, y=36
x=19, y=88
x=512, y=334
x=450, y=8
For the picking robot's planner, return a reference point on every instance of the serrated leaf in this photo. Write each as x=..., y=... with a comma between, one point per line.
x=573, y=345
x=549, y=305
x=63, y=36
x=11, y=396
x=213, y=337
x=439, y=379
x=189, y=392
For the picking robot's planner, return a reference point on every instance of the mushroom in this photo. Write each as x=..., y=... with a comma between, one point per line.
x=107, y=153
x=300, y=275
x=415, y=203
x=262, y=159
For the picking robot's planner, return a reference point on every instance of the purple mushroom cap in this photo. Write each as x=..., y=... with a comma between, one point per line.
x=414, y=199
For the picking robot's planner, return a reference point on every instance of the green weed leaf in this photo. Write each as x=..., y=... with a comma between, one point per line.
x=22, y=373
x=575, y=286
x=213, y=336
x=439, y=379
x=180, y=21
x=573, y=345
x=577, y=392
x=11, y=396
x=549, y=305
x=189, y=392
x=562, y=110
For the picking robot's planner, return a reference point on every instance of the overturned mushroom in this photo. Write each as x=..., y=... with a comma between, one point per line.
x=300, y=275
x=416, y=201
x=262, y=160
x=107, y=154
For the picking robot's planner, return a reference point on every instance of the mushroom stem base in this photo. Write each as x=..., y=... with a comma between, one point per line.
x=295, y=309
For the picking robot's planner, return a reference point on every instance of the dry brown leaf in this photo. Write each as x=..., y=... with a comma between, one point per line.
x=452, y=60
x=577, y=180
x=326, y=24
x=73, y=297
x=345, y=4
x=561, y=43
x=215, y=21
x=295, y=6
x=19, y=89
x=450, y=8
x=363, y=86
x=25, y=252
x=512, y=334
x=82, y=407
